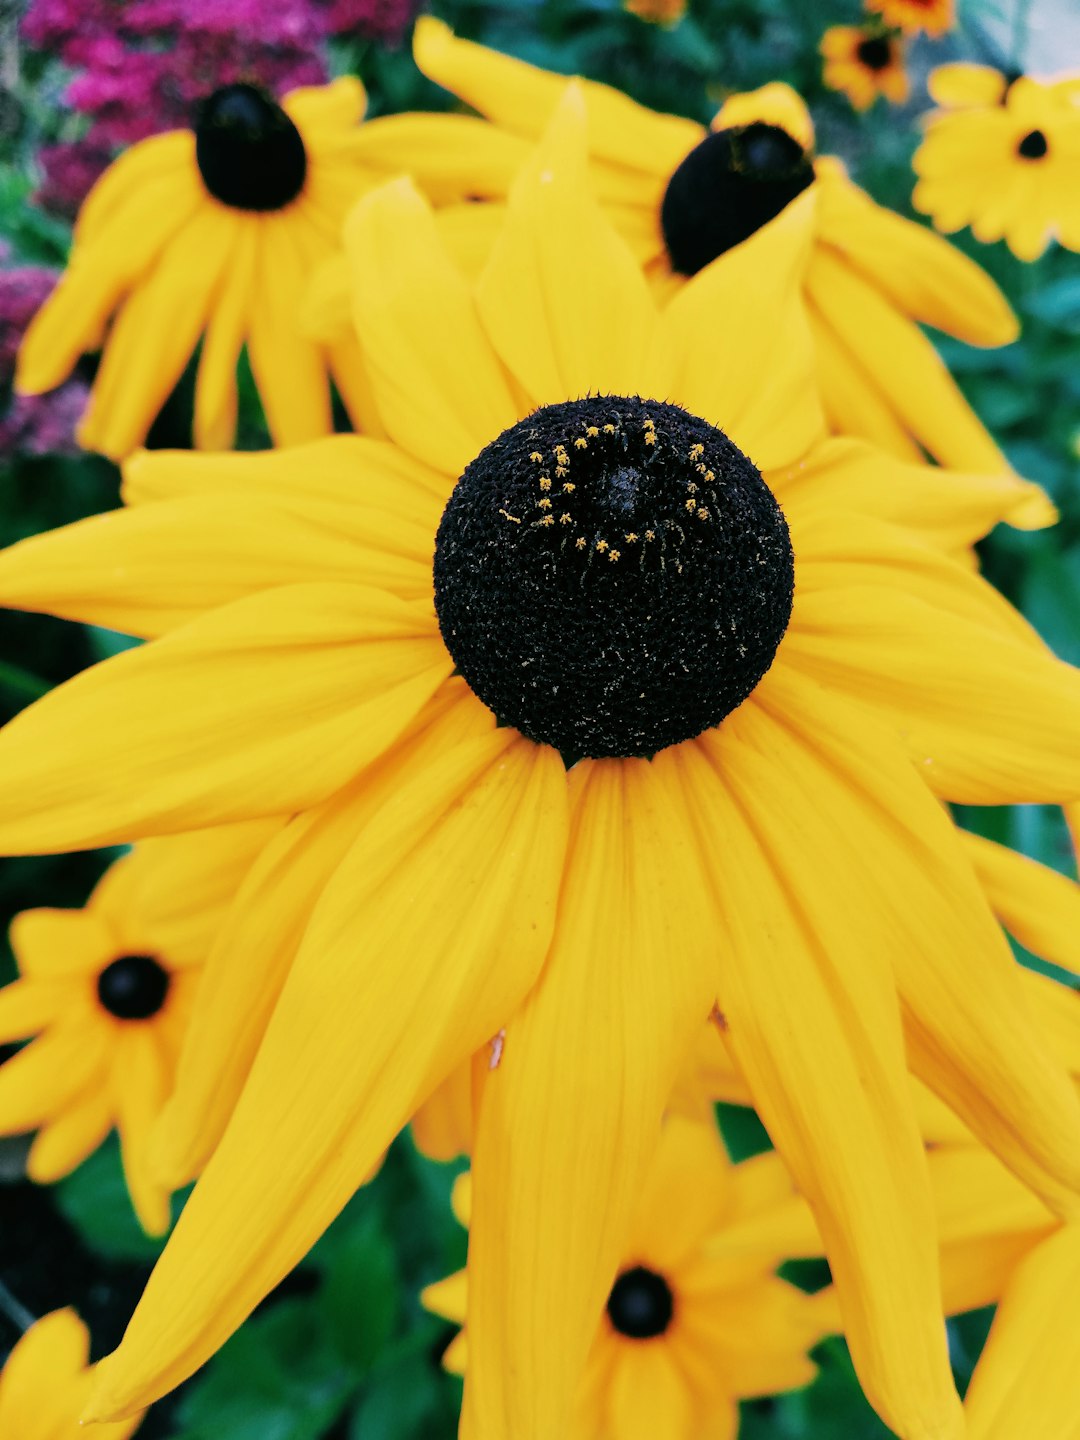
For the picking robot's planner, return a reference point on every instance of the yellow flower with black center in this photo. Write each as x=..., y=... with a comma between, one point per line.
x=106, y=992
x=46, y=1380
x=1003, y=158
x=914, y=17
x=697, y=1318
x=208, y=235
x=682, y=195
x=782, y=648
x=864, y=63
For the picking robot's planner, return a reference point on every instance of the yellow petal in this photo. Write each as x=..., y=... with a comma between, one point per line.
x=141, y=1083
x=522, y=98
x=648, y=1398
x=337, y=106
x=159, y=157
x=260, y=936
x=1039, y=907
x=1056, y=1010
x=261, y=708
x=900, y=361
x=60, y=944
x=689, y=1164
x=569, y=1118
x=813, y=1020
x=27, y=1006
x=925, y=276
x=739, y=319
x=964, y=84
x=562, y=298
x=215, y=380
x=101, y=272
x=773, y=104
x=450, y=157
x=1025, y=1381
x=49, y=1074
x=147, y=570
x=442, y=1127
x=66, y=1141
x=155, y=333
x=433, y=926
x=39, y=1391
x=968, y=1029
x=442, y=404
x=289, y=368
x=988, y=719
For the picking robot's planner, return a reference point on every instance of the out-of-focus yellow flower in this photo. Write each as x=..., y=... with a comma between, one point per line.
x=1002, y=158
x=697, y=1318
x=208, y=234
x=46, y=1382
x=657, y=12
x=681, y=195
x=107, y=991
x=448, y=889
x=933, y=17
x=864, y=63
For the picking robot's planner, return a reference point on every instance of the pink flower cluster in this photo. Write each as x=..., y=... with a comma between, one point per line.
x=142, y=66
x=32, y=424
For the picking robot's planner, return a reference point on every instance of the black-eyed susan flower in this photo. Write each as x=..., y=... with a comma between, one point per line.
x=614, y=579
x=864, y=63
x=1002, y=158
x=696, y=1318
x=682, y=195
x=46, y=1381
x=208, y=234
x=103, y=996
x=914, y=17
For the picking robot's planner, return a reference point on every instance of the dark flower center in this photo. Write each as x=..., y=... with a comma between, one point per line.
x=730, y=185
x=612, y=576
x=875, y=52
x=133, y=987
x=250, y=154
x=641, y=1305
x=1033, y=146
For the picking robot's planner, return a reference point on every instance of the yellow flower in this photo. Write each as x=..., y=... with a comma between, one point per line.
x=915, y=16
x=45, y=1384
x=208, y=233
x=865, y=63
x=868, y=276
x=1003, y=159
x=657, y=12
x=106, y=991
x=445, y=880
x=696, y=1319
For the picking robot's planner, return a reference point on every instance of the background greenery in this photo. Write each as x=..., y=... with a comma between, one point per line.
x=342, y=1349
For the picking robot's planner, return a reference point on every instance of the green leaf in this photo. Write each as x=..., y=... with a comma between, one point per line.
x=360, y=1297
x=95, y=1200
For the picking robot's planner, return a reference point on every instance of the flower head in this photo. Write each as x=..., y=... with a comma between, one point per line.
x=446, y=880
x=696, y=1318
x=863, y=63
x=104, y=995
x=46, y=1380
x=934, y=17
x=207, y=234
x=1002, y=158
x=682, y=195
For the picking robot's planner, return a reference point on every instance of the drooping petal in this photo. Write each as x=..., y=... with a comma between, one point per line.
x=562, y=298
x=647, y=1397
x=140, y=1085
x=737, y=321
x=47, y=1075
x=451, y=157
x=1025, y=1381
x=1038, y=906
x=261, y=708
x=434, y=925
x=216, y=398
x=66, y=1141
x=569, y=1117
x=522, y=98
x=54, y=945
x=259, y=938
x=968, y=1028
x=814, y=1023
x=442, y=402
x=27, y=1006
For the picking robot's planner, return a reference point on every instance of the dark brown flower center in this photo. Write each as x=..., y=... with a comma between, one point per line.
x=133, y=987
x=875, y=52
x=249, y=153
x=1033, y=146
x=641, y=1305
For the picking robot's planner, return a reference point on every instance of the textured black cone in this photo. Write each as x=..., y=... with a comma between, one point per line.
x=133, y=987
x=249, y=153
x=612, y=576
x=641, y=1305
x=730, y=185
